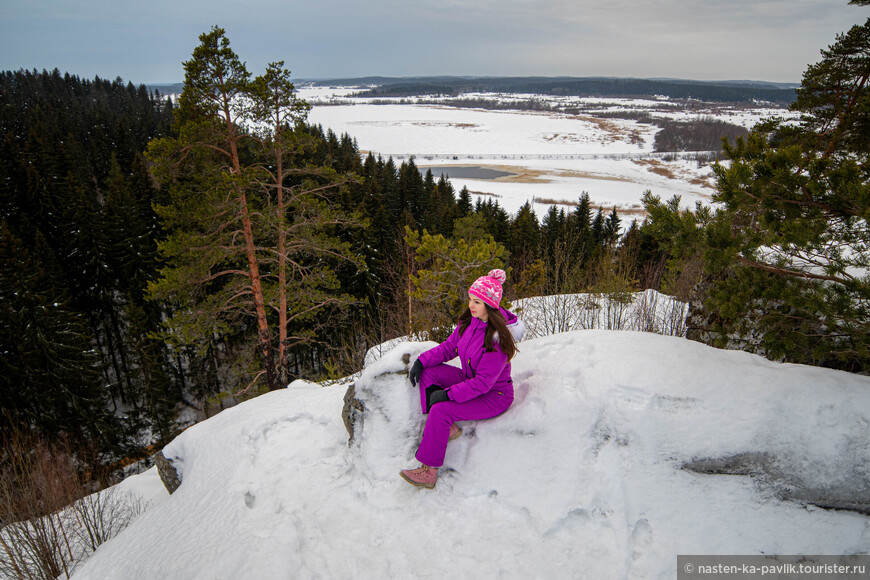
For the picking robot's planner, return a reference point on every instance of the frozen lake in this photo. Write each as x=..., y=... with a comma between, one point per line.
x=465, y=172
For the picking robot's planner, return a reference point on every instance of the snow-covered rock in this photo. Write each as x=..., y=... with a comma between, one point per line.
x=583, y=477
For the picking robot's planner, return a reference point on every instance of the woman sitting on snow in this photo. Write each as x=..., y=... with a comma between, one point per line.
x=484, y=340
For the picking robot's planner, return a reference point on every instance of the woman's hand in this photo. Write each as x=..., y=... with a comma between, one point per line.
x=415, y=372
x=438, y=396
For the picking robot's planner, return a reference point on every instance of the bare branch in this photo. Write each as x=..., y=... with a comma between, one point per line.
x=251, y=384
x=794, y=273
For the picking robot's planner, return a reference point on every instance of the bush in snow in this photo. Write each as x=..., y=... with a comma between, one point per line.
x=49, y=524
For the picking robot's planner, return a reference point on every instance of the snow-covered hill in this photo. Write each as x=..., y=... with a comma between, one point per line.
x=584, y=477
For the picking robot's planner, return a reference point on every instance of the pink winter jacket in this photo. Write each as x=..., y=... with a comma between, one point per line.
x=484, y=371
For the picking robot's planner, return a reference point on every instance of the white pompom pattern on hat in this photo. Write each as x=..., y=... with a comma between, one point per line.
x=498, y=274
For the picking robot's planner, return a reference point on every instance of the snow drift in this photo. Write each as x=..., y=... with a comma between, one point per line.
x=583, y=477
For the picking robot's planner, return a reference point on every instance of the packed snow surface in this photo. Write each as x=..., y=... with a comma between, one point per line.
x=582, y=478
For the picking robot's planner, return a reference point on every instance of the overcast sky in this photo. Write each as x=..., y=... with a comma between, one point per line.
x=145, y=41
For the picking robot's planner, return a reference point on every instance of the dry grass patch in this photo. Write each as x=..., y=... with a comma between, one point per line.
x=656, y=166
x=574, y=173
x=702, y=182
x=613, y=130
x=448, y=124
x=660, y=167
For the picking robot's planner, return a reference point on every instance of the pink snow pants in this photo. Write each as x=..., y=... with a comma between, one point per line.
x=437, y=430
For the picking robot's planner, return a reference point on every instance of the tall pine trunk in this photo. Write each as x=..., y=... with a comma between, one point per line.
x=263, y=333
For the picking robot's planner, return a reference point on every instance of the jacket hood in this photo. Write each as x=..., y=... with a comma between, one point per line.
x=515, y=325
x=509, y=317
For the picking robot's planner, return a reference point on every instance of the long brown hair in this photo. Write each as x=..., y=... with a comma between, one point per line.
x=495, y=324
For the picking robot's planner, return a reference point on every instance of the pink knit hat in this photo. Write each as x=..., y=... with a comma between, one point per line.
x=488, y=288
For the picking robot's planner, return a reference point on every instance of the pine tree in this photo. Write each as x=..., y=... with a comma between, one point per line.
x=250, y=222
x=446, y=268
x=793, y=239
x=679, y=238
x=211, y=113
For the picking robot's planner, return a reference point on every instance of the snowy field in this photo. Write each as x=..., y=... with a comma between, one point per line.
x=584, y=477
x=553, y=157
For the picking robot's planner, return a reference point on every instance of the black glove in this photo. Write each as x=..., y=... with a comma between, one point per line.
x=436, y=395
x=415, y=372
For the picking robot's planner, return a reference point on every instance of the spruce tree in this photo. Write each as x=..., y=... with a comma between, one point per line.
x=75, y=191
x=445, y=198
x=496, y=219
x=581, y=220
x=553, y=226
x=411, y=193
x=611, y=228
x=49, y=371
x=599, y=232
x=464, y=205
x=524, y=238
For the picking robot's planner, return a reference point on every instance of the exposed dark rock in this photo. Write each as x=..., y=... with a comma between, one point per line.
x=353, y=411
x=168, y=473
x=772, y=474
x=754, y=464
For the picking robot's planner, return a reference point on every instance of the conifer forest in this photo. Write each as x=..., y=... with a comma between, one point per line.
x=161, y=259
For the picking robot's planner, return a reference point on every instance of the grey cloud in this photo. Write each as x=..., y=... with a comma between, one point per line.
x=763, y=39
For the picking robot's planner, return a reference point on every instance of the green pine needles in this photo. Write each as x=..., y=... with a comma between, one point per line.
x=787, y=255
x=251, y=222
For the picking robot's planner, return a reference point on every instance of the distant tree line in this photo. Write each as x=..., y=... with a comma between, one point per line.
x=704, y=134
x=532, y=104
x=701, y=134
x=730, y=92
